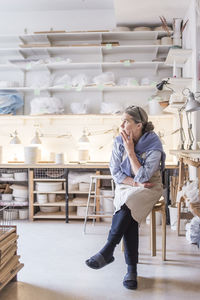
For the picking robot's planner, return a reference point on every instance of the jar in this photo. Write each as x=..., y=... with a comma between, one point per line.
x=154, y=106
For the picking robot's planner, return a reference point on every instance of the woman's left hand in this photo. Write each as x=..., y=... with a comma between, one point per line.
x=128, y=142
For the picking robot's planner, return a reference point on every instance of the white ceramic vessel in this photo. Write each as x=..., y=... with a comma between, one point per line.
x=6, y=197
x=48, y=187
x=20, y=176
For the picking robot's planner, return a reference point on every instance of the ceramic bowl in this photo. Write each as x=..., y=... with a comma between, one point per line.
x=47, y=187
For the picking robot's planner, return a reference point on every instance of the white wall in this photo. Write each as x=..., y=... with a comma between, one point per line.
x=16, y=22
x=190, y=70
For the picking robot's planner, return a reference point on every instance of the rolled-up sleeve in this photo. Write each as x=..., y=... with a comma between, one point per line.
x=115, y=164
x=151, y=165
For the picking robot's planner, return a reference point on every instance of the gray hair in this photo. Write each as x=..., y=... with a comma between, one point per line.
x=139, y=115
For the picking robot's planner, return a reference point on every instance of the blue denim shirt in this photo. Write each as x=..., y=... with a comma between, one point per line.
x=120, y=166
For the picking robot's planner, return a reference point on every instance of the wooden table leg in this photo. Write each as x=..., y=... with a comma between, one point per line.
x=163, y=233
x=153, y=232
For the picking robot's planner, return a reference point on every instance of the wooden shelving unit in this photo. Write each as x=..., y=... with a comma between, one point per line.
x=41, y=175
x=17, y=205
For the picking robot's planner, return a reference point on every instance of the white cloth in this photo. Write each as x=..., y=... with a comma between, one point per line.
x=139, y=200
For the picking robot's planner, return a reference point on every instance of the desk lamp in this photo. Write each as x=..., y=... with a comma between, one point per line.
x=191, y=105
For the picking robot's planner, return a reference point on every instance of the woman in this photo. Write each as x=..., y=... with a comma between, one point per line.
x=135, y=165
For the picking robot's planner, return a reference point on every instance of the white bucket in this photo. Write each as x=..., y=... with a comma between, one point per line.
x=42, y=198
x=30, y=155
x=173, y=217
x=23, y=214
x=154, y=107
x=81, y=211
x=59, y=158
x=158, y=218
x=107, y=204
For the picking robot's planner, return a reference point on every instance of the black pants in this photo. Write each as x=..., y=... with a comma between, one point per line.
x=123, y=225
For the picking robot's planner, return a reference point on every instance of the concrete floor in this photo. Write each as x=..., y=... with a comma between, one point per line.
x=54, y=255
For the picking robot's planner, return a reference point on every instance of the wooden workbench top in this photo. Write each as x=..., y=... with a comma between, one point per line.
x=88, y=165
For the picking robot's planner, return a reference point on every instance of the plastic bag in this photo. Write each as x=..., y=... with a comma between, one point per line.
x=10, y=103
x=76, y=177
x=111, y=108
x=40, y=80
x=128, y=81
x=191, y=191
x=79, y=107
x=193, y=231
x=80, y=80
x=104, y=78
x=46, y=105
x=61, y=80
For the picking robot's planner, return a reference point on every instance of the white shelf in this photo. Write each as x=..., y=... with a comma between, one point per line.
x=178, y=84
x=23, y=52
x=138, y=35
x=81, y=65
x=180, y=81
x=180, y=56
x=82, y=33
x=86, y=89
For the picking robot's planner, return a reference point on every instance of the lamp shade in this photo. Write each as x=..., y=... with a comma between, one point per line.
x=15, y=140
x=192, y=104
x=83, y=138
x=36, y=140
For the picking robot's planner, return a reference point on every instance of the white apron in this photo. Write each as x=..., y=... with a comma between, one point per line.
x=139, y=200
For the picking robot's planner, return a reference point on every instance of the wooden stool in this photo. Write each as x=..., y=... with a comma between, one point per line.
x=159, y=206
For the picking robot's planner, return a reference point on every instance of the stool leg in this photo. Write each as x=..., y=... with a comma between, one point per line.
x=153, y=233
x=163, y=233
x=88, y=203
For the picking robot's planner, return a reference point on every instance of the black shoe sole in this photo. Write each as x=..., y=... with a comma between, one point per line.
x=97, y=268
x=130, y=287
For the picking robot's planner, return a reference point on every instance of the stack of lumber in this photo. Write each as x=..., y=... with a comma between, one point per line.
x=9, y=260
